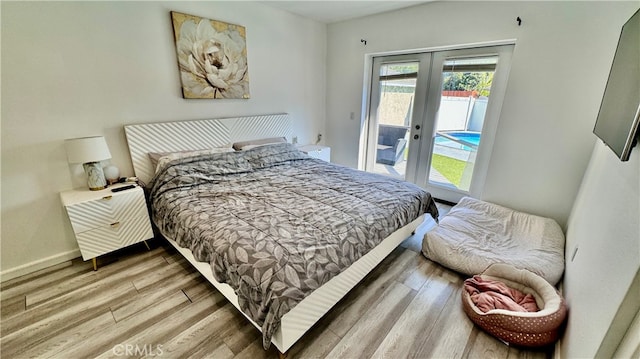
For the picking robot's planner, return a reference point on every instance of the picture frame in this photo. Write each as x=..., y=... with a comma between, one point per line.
x=212, y=57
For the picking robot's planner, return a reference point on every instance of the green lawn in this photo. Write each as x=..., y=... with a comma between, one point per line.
x=450, y=168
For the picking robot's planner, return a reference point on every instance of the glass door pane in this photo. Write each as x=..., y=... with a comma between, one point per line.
x=466, y=88
x=435, y=114
x=396, y=93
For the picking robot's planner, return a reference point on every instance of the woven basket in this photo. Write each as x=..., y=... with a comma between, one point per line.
x=528, y=329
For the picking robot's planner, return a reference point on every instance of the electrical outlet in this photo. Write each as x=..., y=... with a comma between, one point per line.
x=294, y=140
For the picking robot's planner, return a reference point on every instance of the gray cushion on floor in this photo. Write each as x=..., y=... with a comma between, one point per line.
x=476, y=234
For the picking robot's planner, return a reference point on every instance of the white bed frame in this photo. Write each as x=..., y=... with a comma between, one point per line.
x=201, y=134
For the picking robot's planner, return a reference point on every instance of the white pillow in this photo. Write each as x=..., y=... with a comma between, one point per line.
x=247, y=145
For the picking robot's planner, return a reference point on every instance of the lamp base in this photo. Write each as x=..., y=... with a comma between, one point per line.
x=95, y=176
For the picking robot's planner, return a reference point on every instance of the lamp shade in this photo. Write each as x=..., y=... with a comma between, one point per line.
x=87, y=149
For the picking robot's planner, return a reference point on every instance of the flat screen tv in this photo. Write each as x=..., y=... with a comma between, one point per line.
x=619, y=115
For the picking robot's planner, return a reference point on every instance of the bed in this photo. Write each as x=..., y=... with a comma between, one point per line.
x=281, y=235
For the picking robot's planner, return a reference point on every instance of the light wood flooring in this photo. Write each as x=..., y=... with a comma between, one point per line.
x=156, y=303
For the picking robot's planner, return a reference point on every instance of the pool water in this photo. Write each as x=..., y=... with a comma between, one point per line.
x=468, y=137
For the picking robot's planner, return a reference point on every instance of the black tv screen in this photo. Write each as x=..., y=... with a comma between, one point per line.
x=617, y=122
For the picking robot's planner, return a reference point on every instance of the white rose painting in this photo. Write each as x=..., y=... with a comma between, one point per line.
x=212, y=57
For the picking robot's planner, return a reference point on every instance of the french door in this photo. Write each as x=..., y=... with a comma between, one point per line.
x=432, y=117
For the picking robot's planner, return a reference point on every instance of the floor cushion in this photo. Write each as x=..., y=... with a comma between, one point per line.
x=475, y=234
x=530, y=329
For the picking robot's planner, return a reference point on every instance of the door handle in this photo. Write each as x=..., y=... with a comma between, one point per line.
x=417, y=127
x=415, y=137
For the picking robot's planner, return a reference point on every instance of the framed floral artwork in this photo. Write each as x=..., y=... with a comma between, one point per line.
x=212, y=57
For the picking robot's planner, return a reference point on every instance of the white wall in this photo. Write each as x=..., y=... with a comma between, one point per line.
x=73, y=69
x=605, y=227
x=563, y=50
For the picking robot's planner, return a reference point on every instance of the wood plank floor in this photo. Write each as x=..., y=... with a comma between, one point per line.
x=153, y=303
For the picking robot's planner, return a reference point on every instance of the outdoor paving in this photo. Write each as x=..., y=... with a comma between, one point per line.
x=398, y=171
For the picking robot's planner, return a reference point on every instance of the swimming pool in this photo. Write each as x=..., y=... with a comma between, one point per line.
x=464, y=140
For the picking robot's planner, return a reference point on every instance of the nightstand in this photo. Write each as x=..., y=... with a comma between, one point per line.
x=104, y=221
x=317, y=151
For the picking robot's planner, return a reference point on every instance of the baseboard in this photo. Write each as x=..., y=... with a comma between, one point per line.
x=630, y=345
x=38, y=265
x=557, y=350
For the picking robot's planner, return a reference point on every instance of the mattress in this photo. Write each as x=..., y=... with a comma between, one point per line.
x=275, y=224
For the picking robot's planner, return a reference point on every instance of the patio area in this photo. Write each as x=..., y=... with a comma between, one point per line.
x=398, y=171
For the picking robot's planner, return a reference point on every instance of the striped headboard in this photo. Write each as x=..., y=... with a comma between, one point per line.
x=197, y=135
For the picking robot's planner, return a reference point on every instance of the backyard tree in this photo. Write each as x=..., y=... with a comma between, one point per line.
x=468, y=81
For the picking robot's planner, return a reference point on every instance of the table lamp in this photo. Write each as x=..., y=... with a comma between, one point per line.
x=89, y=151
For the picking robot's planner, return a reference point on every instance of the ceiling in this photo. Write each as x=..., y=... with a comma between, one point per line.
x=334, y=11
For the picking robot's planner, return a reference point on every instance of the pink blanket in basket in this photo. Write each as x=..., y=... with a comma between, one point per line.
x=492, y=294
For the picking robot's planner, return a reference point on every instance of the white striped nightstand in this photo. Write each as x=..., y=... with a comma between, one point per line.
x=104, y=221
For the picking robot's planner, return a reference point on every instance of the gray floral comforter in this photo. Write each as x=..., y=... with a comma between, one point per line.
x=276, y=224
